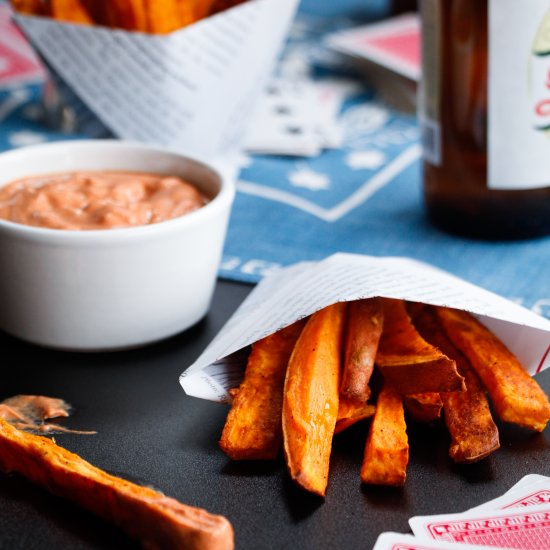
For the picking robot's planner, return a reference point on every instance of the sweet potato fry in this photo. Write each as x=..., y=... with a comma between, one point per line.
x=351, y=412
x=467, y=414
x=164, y=16
x=130, y=15
x=203, y=8
x=407, y=361
x=387, y=448
x=154, y=519
x=365, y=321
x=253, y=427
x=310, y=403
x=70, y=11
x=516, y=396
x=31, y=7
x=423, y=407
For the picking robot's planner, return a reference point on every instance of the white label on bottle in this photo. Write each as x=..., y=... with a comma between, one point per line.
x=519, y=94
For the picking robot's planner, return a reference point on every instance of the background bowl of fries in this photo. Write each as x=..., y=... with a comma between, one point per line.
x=144, y=71
x=110, y=288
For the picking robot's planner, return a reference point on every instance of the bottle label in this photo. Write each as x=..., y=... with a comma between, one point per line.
x=519, y=94
x=429, y=94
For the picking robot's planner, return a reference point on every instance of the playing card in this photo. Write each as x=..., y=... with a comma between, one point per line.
x=398, y=541
x=393, y=43
x=18, y=63
x=284, y=122
x=521, y=528
x=298, y=117
x=532, y=490
x=330, y=95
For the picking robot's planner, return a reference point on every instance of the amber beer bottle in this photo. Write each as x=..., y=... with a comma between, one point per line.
x=484, y=111
x=401, y=6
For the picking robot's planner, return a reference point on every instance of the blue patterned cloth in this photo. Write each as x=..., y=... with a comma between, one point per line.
x=364, y=197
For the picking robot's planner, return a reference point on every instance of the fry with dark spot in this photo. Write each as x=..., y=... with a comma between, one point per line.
x=365, y=322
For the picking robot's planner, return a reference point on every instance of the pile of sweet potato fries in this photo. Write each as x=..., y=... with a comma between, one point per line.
x=310, y=380
x=149, y=16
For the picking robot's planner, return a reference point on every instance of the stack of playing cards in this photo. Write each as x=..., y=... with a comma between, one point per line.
x=518, y=519
x=298, y=117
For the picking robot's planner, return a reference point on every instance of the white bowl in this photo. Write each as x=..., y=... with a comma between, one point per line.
x=113, y=288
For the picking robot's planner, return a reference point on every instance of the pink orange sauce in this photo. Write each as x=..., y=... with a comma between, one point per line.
x=97, y=200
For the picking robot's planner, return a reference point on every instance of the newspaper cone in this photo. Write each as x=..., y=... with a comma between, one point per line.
x=190, y=90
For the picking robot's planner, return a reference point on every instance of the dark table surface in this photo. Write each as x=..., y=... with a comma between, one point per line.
x=149, y=430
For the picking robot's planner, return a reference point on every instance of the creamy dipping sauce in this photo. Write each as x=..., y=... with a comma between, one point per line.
x=97, y=200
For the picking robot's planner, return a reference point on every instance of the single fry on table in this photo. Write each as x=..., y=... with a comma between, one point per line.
x=387, y=448
x=253, y=426
x=365, y=322
x=516, y=396
x=146, y=515
x=310, y=402
x=474, y=434
x=405, y=359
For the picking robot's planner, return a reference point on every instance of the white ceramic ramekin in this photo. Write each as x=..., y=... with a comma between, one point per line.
x=114, y=288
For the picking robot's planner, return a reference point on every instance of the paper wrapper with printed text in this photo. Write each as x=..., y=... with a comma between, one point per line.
x=304, y=288
x=190, y=90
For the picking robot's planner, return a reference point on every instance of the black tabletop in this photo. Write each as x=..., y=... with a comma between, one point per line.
x=149, y=430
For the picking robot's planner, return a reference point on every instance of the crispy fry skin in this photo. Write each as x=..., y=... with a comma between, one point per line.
x=154, y=519
x=31, y=7
x=468, y=418
x=310, y=402
x=387, y=448
x=365, y=321
x=516, y=396
x=253, y=427
x=410, y=363
x=350, y=412
x=71, y=11
x=423, y=407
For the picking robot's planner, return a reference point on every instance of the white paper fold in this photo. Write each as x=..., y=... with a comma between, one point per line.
x=190, y=90
x=302, y=289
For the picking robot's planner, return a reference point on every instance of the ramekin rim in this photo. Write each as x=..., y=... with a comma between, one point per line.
x=222, y=199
